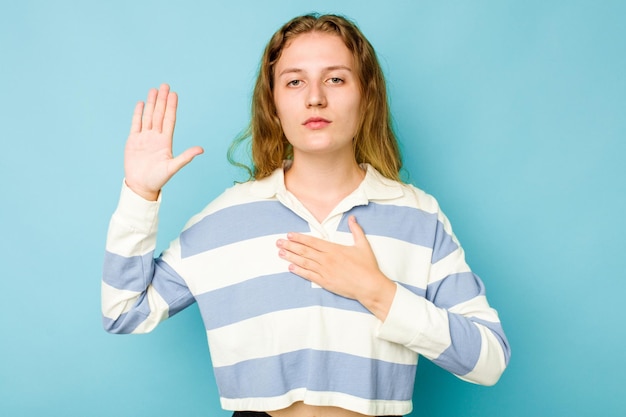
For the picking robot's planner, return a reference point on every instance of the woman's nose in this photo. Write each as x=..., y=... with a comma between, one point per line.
x=316, y=96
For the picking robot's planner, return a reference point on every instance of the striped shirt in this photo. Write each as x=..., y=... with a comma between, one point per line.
x=276, y=338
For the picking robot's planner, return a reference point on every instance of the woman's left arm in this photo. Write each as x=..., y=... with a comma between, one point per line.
x=348, y=271
x=452, y=324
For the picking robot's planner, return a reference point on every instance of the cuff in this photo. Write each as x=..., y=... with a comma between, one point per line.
x=416, y=323
x=137, y=212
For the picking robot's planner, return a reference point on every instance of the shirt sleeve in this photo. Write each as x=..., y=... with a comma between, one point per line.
x=452, y=323
x=138, y=291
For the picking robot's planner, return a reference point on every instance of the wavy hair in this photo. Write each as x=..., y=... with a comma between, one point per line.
x=374, y=143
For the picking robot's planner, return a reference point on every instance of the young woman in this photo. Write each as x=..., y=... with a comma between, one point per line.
x=321, y=279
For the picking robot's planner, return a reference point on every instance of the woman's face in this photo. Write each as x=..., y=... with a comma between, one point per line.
x=317, y=95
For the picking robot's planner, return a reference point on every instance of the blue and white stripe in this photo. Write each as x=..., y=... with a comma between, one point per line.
x=275, y=338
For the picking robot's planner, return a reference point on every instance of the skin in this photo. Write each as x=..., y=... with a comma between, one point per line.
x=314, y=82
x=349, y=271
x=314, y=78
x=148, y=159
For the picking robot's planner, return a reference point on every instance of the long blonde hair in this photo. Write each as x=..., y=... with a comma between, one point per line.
x=374, y=143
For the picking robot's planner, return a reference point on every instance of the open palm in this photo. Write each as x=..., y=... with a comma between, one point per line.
x=148, y=159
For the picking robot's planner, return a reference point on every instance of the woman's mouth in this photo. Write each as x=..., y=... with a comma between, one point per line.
x=316, y=123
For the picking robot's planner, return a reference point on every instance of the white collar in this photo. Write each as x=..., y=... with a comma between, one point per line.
x=373, y=187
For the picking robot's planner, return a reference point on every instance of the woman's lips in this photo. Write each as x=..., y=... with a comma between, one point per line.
x=316, y=123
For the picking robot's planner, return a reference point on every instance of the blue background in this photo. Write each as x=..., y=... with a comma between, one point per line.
x=511, y=113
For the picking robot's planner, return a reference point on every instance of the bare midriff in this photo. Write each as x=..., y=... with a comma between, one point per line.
x=299, y=409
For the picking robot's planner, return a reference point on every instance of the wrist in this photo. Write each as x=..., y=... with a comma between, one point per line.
x=380, y=298
x=148, y=195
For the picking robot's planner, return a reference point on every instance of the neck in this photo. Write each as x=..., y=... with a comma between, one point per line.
x=323, y=175
x=320, y=184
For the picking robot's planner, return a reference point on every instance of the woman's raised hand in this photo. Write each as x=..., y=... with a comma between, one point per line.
x=148, y=159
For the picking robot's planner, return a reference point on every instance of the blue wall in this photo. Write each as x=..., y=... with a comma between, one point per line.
x=511, y=113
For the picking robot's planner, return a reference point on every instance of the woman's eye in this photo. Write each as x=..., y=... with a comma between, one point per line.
x=294, y=83
x=335, y=80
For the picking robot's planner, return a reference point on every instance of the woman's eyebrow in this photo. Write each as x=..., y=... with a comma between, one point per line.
x=290, y=70
x=300, y=70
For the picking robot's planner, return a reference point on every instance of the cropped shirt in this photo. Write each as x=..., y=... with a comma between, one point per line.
x=276, y=338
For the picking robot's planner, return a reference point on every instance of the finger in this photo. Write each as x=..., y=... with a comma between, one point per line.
x=159, y=108
x=305, y=273
x=169, y=120
x=135, y=125
x=299, y=250
x=146, y=121
x=357, y=232
x=184, y=158
x=301, y=262
x=309, y=241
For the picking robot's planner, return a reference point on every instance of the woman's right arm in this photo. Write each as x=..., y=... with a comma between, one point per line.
x=139, y=291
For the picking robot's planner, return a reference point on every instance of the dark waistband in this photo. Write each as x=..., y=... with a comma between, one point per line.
x=262, y=414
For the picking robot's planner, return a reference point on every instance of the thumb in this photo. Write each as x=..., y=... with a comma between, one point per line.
x=357, y=232
x=185, y=157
